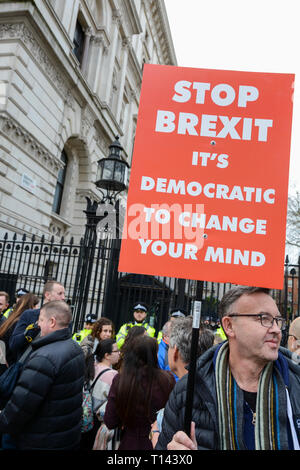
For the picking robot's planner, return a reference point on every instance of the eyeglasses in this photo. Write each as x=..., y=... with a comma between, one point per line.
x=117, y=351
x=266, y=320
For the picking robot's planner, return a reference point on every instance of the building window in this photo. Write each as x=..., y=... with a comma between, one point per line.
x=60, y=184
x=78, y=41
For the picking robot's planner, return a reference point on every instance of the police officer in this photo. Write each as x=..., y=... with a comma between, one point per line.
x=90, y=319
x=4, y=305
x=221, y=333
x=20, y=292
x=9, y=310
x=140, y=311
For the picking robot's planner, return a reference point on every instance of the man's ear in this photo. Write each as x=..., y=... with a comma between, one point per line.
x=227, y=326
x=175, y=353
x=293, y=343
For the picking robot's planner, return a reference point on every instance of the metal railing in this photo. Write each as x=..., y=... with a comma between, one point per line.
x=89, y=273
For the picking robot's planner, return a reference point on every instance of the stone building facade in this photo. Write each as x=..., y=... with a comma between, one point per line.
x=70, y=79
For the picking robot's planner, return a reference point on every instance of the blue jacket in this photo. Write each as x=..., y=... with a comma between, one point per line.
x=17, y=341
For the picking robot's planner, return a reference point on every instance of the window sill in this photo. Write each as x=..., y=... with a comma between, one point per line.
x=59, y=227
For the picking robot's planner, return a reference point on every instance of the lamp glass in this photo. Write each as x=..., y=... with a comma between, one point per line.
x=119, y=172
x=108, y=170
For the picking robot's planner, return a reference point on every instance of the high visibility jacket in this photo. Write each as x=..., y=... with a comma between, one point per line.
x=7, y=312
x=80, y=335
x=159, y=336
x=221, y=333
x=121, y=335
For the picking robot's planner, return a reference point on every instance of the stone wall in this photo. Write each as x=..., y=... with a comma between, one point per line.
x=50, y=101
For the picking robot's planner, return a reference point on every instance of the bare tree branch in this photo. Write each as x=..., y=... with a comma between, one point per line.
x=293, y=220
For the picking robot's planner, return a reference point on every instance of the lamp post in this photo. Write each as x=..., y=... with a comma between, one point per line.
x=112, y=176
x=111, y=180
x=112, y=172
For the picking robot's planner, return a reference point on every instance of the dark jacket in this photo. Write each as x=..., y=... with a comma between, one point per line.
x=205, y=410
x=45, y=409
x=17, y=340
x=204, y=407
x=136, y=436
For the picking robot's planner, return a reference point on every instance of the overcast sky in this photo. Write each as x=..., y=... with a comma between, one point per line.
x=246, y=35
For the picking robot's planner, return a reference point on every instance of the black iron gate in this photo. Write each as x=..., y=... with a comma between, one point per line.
x=88, y=271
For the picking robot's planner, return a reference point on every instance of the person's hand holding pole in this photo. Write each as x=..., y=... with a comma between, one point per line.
x=182, y=441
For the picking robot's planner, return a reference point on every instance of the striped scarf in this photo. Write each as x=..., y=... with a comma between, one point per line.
x=271, y=421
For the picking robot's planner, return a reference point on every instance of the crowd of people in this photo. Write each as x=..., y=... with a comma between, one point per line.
x=135, y=380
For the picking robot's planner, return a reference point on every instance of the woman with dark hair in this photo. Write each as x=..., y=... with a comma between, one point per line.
x=102, y=329
x=137, y=393
x=100, y=362
x=27, y=301
x=106, y=355
x=133, y=333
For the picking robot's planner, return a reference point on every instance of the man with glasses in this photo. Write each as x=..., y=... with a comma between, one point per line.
x=246, y=389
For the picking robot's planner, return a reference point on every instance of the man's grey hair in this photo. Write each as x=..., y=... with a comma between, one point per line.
x=181, y=336
x=60, y=310
x=234, y=294
x=166, y=328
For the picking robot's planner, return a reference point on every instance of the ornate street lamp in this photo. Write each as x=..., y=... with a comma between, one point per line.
x=112, y=172
x=112, y=177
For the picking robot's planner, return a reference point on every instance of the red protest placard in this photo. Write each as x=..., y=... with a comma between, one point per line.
x=208, y=188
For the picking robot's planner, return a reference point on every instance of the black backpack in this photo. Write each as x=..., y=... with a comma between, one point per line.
x=9, y=378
